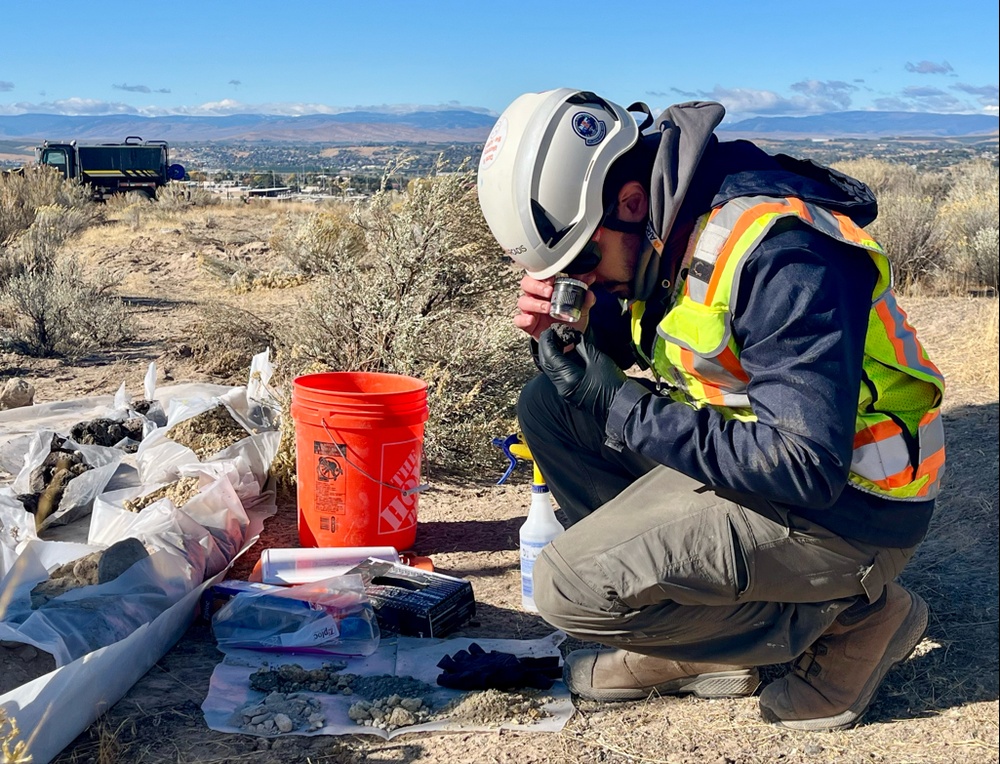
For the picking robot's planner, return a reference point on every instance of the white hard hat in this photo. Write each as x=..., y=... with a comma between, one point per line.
x=542, y=172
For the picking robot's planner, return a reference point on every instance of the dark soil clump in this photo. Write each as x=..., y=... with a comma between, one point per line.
x=47, y=482
x=108, y=433
x=292, y=678
x=566, y=334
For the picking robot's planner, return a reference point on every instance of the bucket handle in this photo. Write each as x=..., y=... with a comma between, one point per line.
x=406, y=492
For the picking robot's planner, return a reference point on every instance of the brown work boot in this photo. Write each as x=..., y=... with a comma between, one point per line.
x=612, y=675
x=835, y=679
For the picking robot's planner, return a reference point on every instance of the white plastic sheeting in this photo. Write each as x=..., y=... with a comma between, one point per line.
x=105, y=637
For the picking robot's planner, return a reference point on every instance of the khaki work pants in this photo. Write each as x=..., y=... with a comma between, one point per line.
x=669, y=567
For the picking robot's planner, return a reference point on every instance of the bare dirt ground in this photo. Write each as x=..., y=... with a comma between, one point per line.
x=941, y=706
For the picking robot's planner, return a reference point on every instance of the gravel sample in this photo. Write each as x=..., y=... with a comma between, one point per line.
x=391, y=713
x=180, y=492
x=279, y=713
x=209, y=432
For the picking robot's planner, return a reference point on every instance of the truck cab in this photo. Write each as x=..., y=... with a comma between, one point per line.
x=59, y=156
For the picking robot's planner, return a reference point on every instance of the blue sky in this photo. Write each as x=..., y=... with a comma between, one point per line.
x=218, y=57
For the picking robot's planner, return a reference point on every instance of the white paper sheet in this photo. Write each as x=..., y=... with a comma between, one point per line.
x=404, y=656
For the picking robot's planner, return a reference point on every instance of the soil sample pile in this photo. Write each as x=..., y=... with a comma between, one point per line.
x=280, y=712
x=387, y=685
x=142, y=407
x=180, y=492
x=108, y=432
x=71, y=575
x=47, y=482
x=389, y=702
x=491, y=708
x=391, y=713
x=291, y=678
x=209, y=432
x=94, y=568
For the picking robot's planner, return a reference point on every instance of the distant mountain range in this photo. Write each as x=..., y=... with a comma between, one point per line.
x=446, y=126
x=449, y=126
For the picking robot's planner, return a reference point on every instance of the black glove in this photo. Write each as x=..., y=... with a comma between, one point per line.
x=476, y=669
x=586, y=377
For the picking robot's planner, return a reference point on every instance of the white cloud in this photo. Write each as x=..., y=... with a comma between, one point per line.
x=925, y=99
x=830, y=95
x=929, y=67
x=915, y=91
x=746, y=102
x=988, y=96
x=132, y=88
x=69, y=106
x=986, y=91
x=891, y=103
x=228, y=106
x=223, y=107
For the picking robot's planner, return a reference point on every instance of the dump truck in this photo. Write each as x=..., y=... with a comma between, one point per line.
x=134, y=165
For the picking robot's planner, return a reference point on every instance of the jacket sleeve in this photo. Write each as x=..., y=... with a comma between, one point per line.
x=801, y=312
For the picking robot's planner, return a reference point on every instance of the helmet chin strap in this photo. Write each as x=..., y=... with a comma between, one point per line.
x=647, y=266
x=614, y=223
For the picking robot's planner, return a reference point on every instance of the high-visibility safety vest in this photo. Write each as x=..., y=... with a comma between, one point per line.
x=899, y=438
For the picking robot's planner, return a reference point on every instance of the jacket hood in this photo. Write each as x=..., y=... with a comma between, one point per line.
x=685, y=130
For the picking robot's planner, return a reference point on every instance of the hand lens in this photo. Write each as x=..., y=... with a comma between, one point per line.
x=567, y=299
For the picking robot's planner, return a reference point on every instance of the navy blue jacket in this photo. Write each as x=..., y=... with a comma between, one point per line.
x=800, y=319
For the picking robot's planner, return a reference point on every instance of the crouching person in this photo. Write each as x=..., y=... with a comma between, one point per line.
x=752, y=499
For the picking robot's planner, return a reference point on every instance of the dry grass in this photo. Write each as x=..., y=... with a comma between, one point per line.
x=961, y=335
x=225, y=338
x=12, y=753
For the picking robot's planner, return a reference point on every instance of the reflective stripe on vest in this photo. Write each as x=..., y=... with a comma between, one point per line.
x=697, y=353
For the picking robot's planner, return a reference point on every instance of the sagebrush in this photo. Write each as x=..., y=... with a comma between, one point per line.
x=430, y=296
x=48, y=304
x=225, y=338
x=938, y=228
x=22, y=194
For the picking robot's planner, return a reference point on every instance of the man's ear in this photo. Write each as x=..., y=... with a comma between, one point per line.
x=633, y=202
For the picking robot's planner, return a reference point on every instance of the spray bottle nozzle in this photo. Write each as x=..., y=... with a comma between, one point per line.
x=510, y=447
x=517, y=452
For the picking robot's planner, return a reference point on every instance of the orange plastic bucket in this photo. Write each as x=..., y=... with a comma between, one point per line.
x=358, y=443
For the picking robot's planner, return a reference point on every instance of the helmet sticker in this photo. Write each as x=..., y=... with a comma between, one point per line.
x=589, y=127
x=493, y=144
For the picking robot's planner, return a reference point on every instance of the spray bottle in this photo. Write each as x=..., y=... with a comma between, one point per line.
x=541, y=525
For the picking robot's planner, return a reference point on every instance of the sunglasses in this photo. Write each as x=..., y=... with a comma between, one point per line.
x=588, y=259
x=590, y=256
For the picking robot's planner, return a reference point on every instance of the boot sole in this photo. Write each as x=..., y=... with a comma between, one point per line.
x=720, y=684
x=909, y=634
